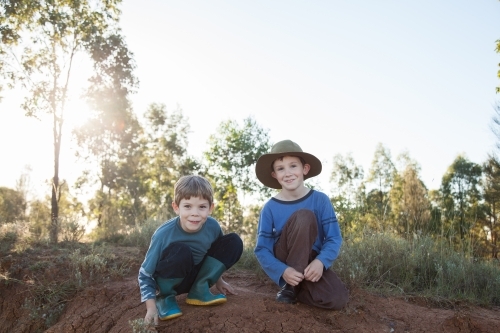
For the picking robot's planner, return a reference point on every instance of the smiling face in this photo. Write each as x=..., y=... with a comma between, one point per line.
x=193, y=213
x=289, y=172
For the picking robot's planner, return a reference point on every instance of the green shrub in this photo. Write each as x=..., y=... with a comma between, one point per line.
x=140, y=235
x=423, y=266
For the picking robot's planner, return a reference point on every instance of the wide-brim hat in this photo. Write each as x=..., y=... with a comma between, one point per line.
x=264, y=166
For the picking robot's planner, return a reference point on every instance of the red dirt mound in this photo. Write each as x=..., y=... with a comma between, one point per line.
x=111, y=307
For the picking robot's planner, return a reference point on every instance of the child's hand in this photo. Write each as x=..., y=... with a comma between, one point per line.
x=151, y=313
x=292, y=277
x=314, y=271
x=224, y=287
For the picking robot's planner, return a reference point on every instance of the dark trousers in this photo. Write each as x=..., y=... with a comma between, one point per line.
x=294, y=248
x=176, y=260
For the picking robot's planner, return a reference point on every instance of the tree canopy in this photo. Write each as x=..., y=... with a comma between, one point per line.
x=41, y=41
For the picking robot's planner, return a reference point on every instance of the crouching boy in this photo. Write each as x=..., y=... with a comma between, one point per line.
x=298, y=234
x=187, y=254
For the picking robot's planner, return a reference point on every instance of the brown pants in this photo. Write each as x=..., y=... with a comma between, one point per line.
x=294, y=248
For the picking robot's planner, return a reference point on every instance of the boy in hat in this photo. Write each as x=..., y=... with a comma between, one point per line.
x=187, y=254
x=298, y=234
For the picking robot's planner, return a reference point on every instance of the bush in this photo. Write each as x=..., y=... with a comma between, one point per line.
x=388, y=263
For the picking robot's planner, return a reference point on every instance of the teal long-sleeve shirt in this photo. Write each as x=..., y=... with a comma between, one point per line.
x=273, y=217
x=166, y=234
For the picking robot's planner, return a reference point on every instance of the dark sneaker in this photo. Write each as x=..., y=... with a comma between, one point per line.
x=287, y=295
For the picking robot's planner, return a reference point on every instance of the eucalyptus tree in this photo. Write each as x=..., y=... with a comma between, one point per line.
x=460, y=188
x=409, y=200
x=348, y=190
x=109, y=145
x=165, y=158
x=381, y=176
x=491, y=173
x=233, y=152
x=41, y=41
x=231, y=157
x=71, y=213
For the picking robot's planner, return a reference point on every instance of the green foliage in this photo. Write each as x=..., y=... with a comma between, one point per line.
x=12, y=205
x=139, y=326
x=231, y=158
x=40, y=42
x=233, y=152
x=462, y=198
x=228, y=210
x=8, y=238
x=381, y=175
x=248, y=261
x=39, y=219
x=164, y=160
x=248, y=230
x=490, y=223
x=139, y=166
x=140, y=235
x=70, y=224
x=409, y=203
x=348, y=192
x=71, y=230
x=48, y=299
x=419, y=266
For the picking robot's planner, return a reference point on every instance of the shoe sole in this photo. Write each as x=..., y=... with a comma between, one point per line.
x=172, y=316
x=286, y=301
x=198, y=302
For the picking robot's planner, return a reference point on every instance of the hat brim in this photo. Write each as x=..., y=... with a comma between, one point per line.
x=263, y=167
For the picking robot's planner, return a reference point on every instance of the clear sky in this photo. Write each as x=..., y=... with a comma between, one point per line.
x=334, y=76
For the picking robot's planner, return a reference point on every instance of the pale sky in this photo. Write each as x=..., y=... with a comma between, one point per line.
x=333, y=76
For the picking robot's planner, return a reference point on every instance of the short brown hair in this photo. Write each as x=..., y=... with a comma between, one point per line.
x=193, y=186
x=282, y=157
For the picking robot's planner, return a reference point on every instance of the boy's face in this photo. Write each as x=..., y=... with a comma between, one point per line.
x=193, y=213
x=290, y=172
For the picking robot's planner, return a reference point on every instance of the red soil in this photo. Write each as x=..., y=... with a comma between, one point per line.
x=109, y=308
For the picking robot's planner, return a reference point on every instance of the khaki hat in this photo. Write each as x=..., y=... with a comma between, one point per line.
x=263, y=168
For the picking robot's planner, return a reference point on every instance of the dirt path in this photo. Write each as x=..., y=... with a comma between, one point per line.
x=109, y=309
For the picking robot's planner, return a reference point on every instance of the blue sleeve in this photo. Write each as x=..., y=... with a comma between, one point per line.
x=332, y=240
x=264, y=249
x=147, y=284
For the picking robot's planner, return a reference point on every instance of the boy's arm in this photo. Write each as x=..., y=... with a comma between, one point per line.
x=264, y=249
x=332, y=235
x=147, y=285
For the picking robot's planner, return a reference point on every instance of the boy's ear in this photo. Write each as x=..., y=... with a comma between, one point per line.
x=307, y=167
x=273, y=174
x=211, y=208
x=175, y=207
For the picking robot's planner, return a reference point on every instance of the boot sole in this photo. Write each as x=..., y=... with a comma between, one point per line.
x=286, y=301
x=213, y=302
x=172, y=316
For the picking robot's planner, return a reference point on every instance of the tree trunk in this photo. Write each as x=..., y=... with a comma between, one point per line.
x=54, y=222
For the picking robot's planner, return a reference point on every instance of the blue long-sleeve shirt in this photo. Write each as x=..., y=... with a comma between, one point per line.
x=170, y=232
x=273, y=217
